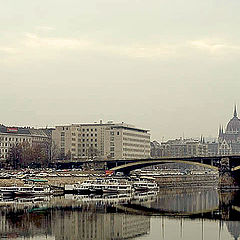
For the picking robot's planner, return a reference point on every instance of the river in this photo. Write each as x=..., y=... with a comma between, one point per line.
x=173, y=214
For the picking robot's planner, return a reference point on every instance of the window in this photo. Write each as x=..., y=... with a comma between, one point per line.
x=111, y=133
x=118, y=133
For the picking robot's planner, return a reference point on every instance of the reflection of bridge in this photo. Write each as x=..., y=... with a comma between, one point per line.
x=208, y=204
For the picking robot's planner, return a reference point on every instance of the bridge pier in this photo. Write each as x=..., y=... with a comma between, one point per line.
x=227, y=178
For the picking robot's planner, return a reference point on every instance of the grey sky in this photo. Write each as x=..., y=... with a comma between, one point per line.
x=168, y=66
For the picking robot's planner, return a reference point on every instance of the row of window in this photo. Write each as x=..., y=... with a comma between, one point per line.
x=12, y=139
x=136, y=135
x=83, y=140
x=83, y=145
x=3, y=150
x=134, y=150
x=135, y=140
x=79, y=129
x=135, y=145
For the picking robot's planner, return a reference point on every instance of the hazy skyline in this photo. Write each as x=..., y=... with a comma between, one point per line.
x=168, y=66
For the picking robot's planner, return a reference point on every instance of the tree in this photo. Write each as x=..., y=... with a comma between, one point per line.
x=92, y=152
x=24, y=155
x=55, y=152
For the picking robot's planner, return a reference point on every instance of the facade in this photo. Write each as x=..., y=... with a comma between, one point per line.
x=10, y=136
x=103, y=140
x=229, y=141
x=181, y=148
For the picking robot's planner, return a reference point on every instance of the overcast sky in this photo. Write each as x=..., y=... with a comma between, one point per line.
x=168, y=66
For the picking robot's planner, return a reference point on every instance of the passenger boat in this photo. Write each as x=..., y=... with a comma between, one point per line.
x=27, y=190
x=100, y=186
x=145, y=186
x=8, y=191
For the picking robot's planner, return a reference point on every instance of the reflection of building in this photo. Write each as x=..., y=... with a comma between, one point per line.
x=229, y=141
x=10, y=136
x=190, y=202
x=87, y=225
x=74, y=225
x=234, y=228
x=13, y=225
x=106, y=140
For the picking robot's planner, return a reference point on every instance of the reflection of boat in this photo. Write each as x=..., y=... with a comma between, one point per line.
x=8, y=191
x=101, y=199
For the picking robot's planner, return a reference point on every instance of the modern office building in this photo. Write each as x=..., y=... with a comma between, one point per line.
x=103, y=140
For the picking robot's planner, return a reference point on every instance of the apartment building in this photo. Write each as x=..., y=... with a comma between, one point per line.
x=104, y=140
x=10, y=136
x=179, y=148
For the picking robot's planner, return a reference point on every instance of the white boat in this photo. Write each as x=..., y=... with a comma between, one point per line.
x=27, y=190
x=103, y=186
x=145, y=186
x=8, y=191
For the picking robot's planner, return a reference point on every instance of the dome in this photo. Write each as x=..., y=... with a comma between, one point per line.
x=234, y=123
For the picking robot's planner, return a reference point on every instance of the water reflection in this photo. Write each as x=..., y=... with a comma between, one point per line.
x=65, y=224
x=175, y=214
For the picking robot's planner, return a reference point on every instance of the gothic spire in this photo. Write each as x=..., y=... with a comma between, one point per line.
x=235, y=111
x=220, y=130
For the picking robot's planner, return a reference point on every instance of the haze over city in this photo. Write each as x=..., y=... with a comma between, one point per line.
x=167, y=66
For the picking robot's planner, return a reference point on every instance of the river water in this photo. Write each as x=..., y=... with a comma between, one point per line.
x=173, y=214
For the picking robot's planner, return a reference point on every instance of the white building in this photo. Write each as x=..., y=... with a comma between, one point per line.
x=10, y=136
x=106, y=140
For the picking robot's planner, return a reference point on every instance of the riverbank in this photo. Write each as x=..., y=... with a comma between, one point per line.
x=182, y=181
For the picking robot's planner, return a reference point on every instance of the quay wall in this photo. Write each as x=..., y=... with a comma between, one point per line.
x=180, y=181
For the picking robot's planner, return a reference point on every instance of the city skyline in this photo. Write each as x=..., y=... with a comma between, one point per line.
x=161, y=139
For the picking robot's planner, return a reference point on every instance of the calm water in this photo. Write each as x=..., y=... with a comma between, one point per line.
x=176, y=214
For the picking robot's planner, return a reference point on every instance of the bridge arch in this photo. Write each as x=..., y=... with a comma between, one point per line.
x=126, y=168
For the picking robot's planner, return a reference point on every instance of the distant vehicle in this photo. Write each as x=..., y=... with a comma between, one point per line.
x=119, y=174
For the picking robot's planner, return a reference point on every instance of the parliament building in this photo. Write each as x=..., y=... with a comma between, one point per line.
x=229, y=141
